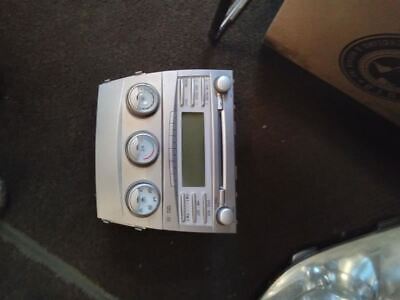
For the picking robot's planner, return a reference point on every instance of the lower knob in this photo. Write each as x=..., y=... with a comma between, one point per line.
x=225, y=216
x=143, y=199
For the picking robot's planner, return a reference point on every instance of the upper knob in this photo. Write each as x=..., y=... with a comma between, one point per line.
x=225, y=216
x=223, y=84
x=142, y=99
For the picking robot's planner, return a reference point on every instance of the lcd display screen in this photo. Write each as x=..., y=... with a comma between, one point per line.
x=193, y=156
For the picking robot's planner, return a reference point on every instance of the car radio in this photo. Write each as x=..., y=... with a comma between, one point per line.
x=165, y=151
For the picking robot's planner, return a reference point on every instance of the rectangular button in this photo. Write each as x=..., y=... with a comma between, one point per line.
x=193, y=92
x=202, y=91
x=182, y=207
x=172, y=156
x=194, y=215
x=179, y=92
x=193, y=198
x=186, y=91
x=172, y=169
x=181, y=95
x=206, y=90
x=172, y=141
x=172, y=117
x=204, y=201
x=171, y=177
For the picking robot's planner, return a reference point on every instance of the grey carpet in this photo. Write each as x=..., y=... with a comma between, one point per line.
x=313, y=166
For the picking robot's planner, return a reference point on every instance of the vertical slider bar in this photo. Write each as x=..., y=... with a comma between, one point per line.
x=224, y=149
x=220, y=105
x=223, y=153
x=221, y=197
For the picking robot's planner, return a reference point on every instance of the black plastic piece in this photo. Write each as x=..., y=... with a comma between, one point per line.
x=215, y=34
x=3, y=196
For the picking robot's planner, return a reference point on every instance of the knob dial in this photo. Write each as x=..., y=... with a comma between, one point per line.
x=223, y=84
x=142, y=100
x=225, y=216
x=143, y=199
x=142, y=148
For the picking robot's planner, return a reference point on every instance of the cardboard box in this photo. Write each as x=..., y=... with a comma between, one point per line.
x=352, y=44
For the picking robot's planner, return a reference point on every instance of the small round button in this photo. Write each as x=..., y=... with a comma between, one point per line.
x=142, y=148
x=225, y=216
x=143, y=199
x=142, y=99
x=223, y=84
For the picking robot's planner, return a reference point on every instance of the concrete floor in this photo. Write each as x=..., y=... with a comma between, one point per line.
x=313, y=166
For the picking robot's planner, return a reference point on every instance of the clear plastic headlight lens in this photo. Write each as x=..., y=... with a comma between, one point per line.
x=364, y=269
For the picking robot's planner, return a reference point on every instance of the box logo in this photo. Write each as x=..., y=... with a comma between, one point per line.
x=372, y=63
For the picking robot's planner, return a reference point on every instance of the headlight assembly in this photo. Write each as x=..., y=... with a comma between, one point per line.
x=364, y=269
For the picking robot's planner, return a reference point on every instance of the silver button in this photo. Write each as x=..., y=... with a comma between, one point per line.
x=142, y=199
x=142, y=100
x=222, y=84
x=225, y=216
x=142, y=148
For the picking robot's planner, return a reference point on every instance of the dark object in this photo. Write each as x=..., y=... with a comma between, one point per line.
x=3, y=198
x=225, y=15
x=215, y=32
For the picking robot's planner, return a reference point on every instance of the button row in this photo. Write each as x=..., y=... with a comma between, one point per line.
x=193, y=91
x=194, y=210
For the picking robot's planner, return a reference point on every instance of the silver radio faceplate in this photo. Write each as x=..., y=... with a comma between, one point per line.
x=165, y=151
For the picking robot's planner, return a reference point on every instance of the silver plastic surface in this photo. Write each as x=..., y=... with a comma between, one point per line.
x=181, y=208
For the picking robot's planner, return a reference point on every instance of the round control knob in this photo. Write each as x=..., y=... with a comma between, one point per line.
x=225, y=216
x=142, y=148
x=142, y=100
x=143, y=199
x=223, y=84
